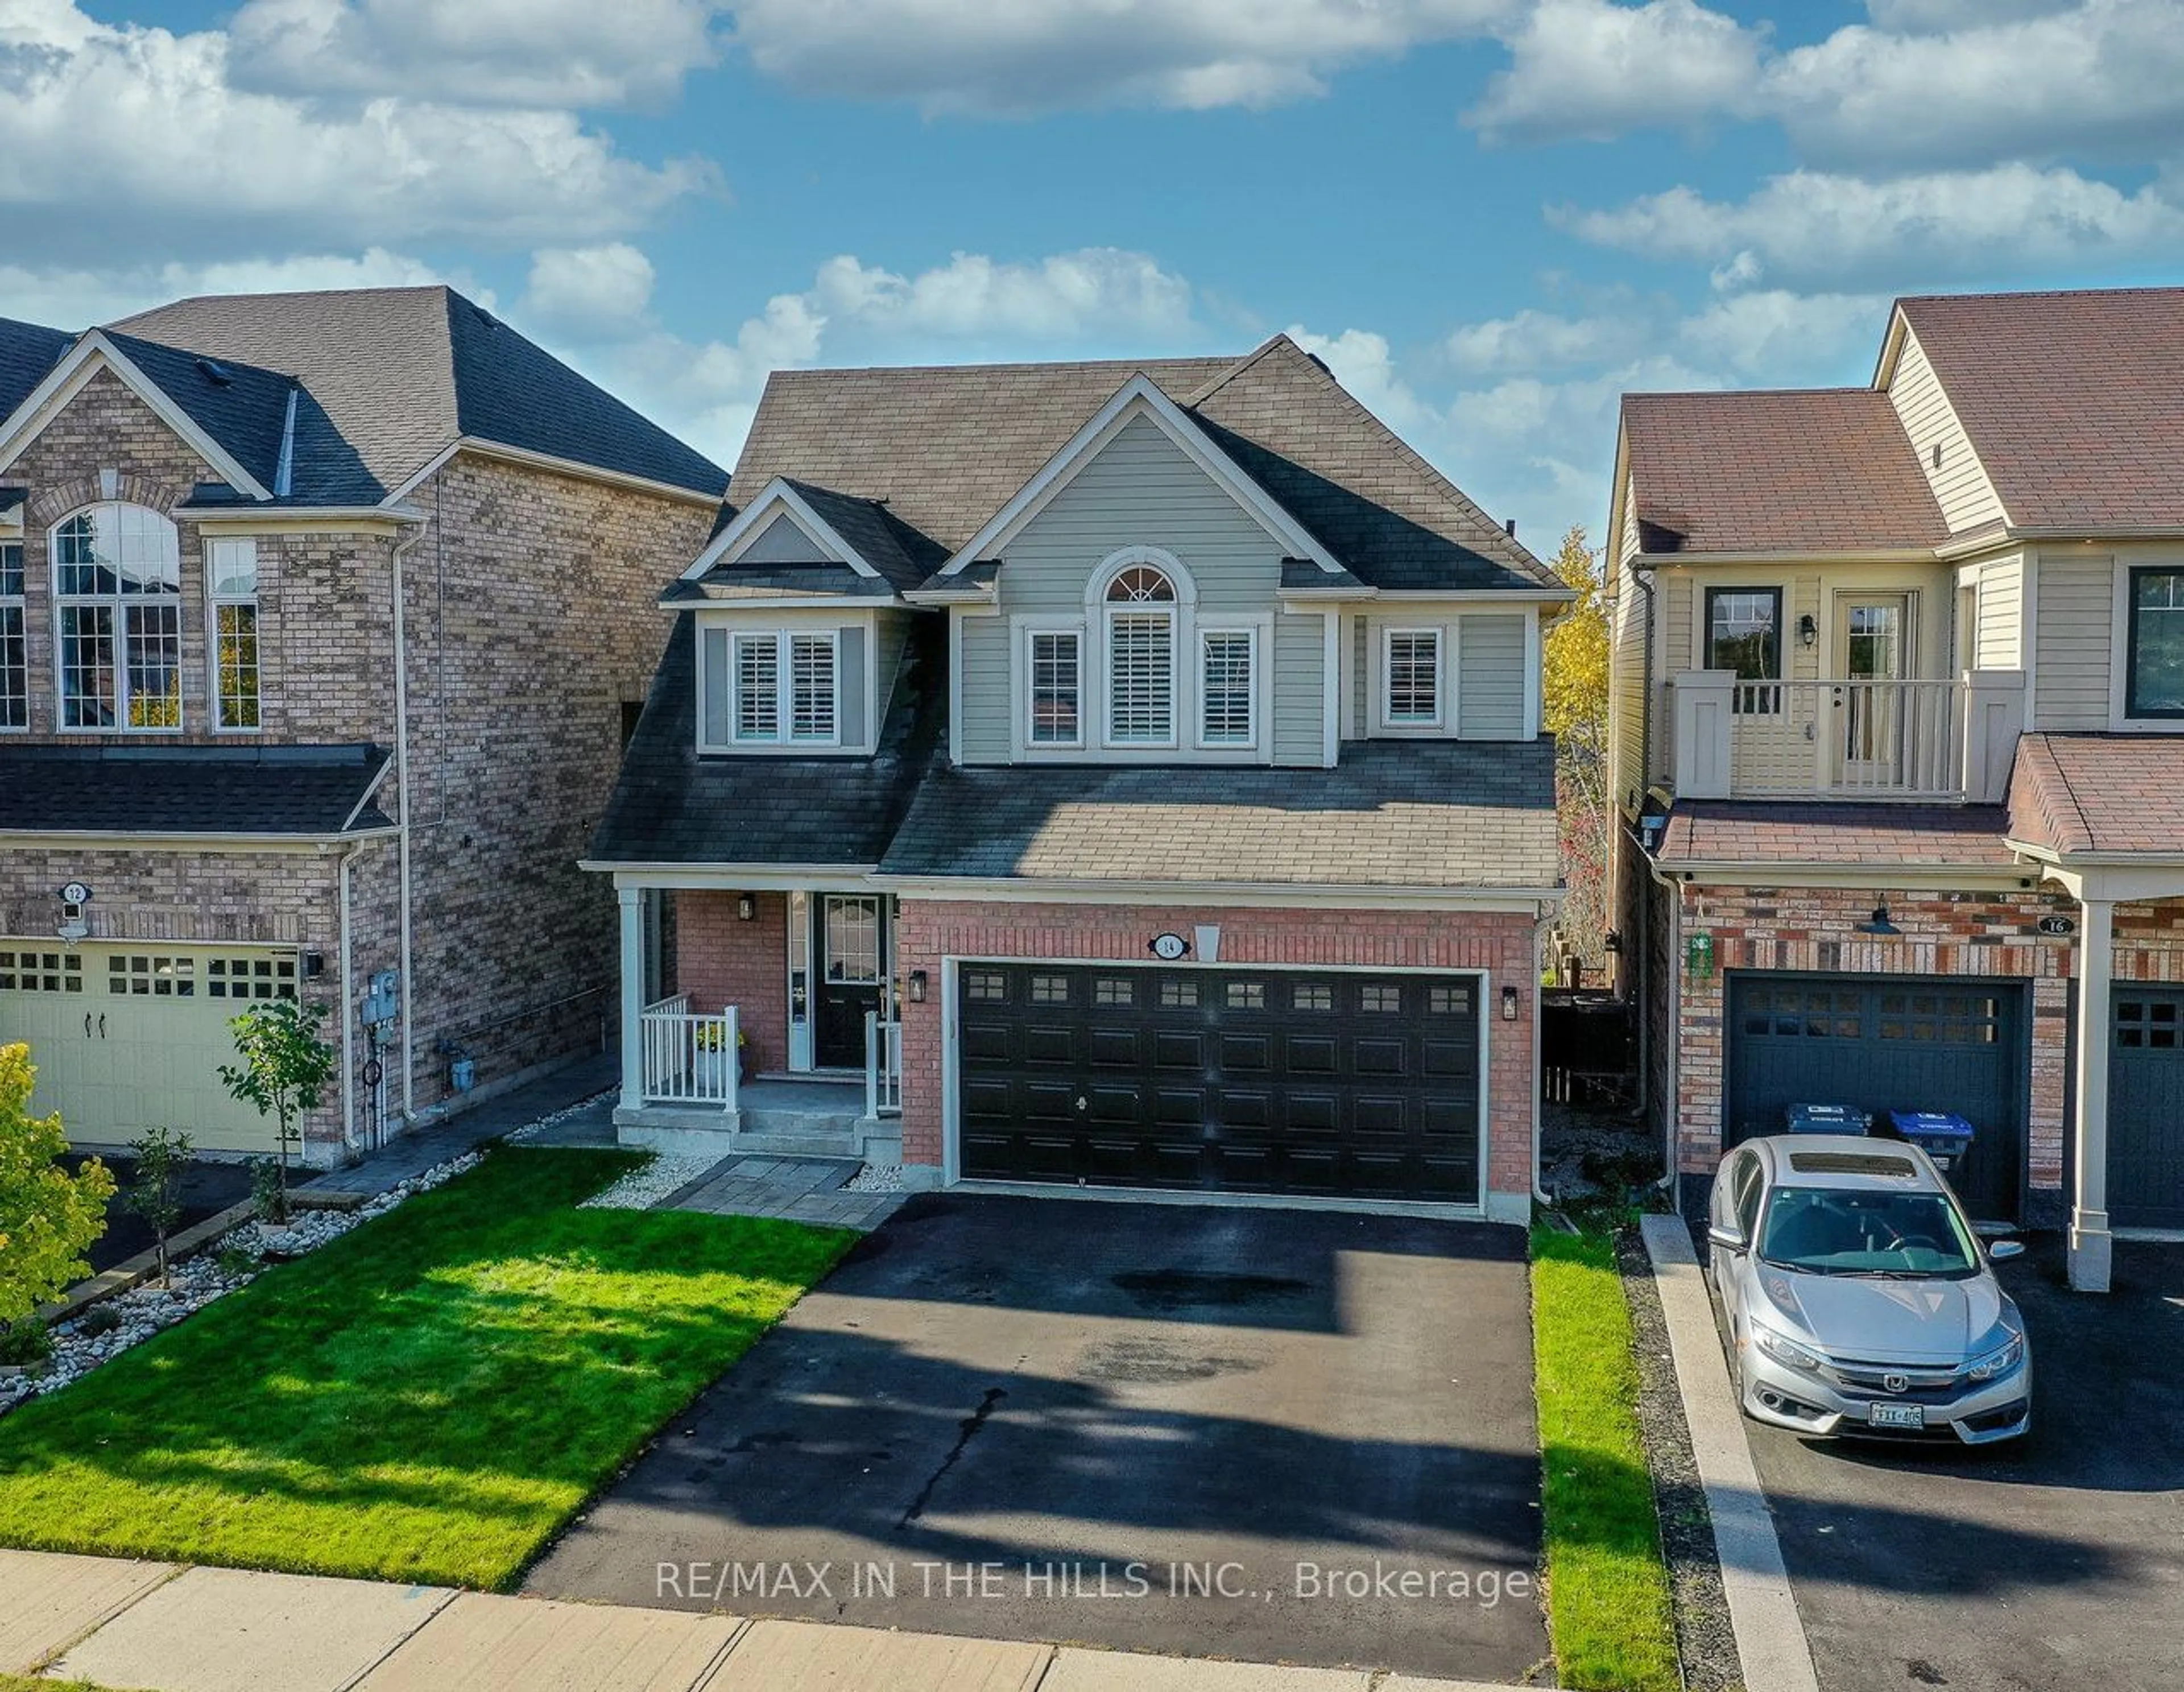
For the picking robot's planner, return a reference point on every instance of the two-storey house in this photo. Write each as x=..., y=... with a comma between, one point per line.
x=1898, y=673
x=1105, y=774
x=323, y=618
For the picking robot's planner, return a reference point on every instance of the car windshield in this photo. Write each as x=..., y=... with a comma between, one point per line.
x=1848, y=1231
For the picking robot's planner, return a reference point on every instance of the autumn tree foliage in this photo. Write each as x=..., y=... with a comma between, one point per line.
x=1574, y=702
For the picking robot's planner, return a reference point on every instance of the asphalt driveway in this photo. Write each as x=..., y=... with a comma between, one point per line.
x=1145, y=1427
x=2056, y=1565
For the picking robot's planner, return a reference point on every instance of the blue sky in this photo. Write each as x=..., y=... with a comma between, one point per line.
x=1491, y=216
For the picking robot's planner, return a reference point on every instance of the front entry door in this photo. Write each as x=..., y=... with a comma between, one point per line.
x=1873, y=634
x=852, y=965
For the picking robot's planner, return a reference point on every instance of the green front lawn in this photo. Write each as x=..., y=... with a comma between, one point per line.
x=1608, y=1610
x=428, y=1399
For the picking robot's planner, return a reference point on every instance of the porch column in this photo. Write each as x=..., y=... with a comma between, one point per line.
x=631, y=901
x=2090, y=1242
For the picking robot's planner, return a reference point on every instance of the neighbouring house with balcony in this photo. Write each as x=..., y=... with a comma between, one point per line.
x=1102, y=774
x=323, y=617
x=1898, y=681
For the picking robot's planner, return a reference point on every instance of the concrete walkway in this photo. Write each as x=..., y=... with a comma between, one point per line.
x=164, y=1629
x=797, y=1189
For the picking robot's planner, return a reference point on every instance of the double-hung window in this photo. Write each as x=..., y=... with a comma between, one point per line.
x=231, y=569
x=1141, y=658
x=117, y=594
x=785, y=688
x=15, y=654
x=1744, y=636
x=1411, y=658
x=1054, y=663
x=2153, y=686
x=1228, y=687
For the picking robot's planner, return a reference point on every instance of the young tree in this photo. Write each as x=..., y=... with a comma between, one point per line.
x=155, y=1187
x=1574, y=702
x=49, y=1217
x=285, y=1069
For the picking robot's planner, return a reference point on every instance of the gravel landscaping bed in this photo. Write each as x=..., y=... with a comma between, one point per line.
x=661, y=1178
x=1704, y=1640
x=876, y=1178
x=236, y=1258
x=543, y=1127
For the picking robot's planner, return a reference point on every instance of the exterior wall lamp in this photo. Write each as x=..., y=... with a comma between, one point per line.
x=746, y=907
x=1808, y=631
x=1508, y=1003
x=917, y=986
x=1878, y=922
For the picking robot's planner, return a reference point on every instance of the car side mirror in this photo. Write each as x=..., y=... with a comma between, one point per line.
x=1726, y=1237
x=2002, y=1249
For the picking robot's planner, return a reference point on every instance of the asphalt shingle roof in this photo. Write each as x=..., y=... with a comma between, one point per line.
x=946, y=447
x=899, y=552
x=27, y=352
x=1730, y=832
x=1822, y=469
x=2074, y=402
x=2099, y=793
x=672, y=805
x=401, y=372
x=1394, y=814
x=309, y=791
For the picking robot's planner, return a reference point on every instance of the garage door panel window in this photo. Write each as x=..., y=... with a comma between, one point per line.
x=1115, y=990
x=25, y=972
x=1380, y=999
x=145, y=974
x=1178, y=995
x=250, y=978
x=2149, y=1025
x=988, y=987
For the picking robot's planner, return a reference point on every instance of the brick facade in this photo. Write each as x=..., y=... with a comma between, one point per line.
x=722, y=959
x=1504, y=944
x=531, y=623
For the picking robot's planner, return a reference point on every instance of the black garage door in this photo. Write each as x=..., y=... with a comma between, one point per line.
x=1882, y=1043
x=1266, y=1081
x=2146, y=1108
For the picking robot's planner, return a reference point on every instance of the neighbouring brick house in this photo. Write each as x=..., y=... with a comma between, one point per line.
x=322, y=621
x=1898, y=676
x=1108, y=774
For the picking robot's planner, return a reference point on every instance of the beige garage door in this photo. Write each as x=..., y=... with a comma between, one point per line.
x=127, y=1038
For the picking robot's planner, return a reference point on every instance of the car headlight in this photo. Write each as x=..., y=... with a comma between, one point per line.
x=1999, y=1362
x=1784, y=1350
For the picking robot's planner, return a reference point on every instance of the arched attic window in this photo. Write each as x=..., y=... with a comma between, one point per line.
x=1141, y=642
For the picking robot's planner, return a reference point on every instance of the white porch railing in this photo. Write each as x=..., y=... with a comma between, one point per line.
x=1844, y=739
x=883, y=1066
x=688, y=1058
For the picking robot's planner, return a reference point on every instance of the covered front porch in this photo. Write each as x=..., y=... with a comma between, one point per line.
x=760, y=1019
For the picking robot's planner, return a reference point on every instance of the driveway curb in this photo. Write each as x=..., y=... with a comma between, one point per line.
x=1770, y=1636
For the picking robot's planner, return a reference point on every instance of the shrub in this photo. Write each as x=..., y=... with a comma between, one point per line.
x=48, y=1217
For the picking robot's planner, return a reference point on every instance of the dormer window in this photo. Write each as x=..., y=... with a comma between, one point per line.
x=1141, y=658
x=785, y=688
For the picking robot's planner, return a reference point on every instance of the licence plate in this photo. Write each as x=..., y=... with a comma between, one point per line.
x=1897, y=1415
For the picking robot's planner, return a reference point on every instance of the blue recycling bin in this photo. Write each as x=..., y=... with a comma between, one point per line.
x=1826, y=1118
x=1944, y=1137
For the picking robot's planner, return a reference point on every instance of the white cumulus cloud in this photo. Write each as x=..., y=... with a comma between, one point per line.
x=1590, y=70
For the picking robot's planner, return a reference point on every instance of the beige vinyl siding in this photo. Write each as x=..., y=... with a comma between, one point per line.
x=2074, y=613
x=1999, y=608
x=781, y=542
x=1627, y=664
x=1960, y=484
x=891, y=630
x=1299, y=659
x=981, y=687
x=1490, y=677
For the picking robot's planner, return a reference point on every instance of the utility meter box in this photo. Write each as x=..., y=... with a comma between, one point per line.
x=382, y=998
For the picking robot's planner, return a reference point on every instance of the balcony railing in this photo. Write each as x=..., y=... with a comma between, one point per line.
x=689, y=1057
x=1845, y=739
x=883, y=1066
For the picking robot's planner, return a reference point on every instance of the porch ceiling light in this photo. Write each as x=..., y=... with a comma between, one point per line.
x=1878, y=923
x=746, y=907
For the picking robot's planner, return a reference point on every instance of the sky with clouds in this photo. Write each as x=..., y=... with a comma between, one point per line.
x=1491, y=217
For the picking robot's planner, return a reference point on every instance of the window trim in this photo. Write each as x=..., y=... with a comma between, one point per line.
x=2132, y=711
x=1773, y=592
x=215, y=602
x=20, y=603
x=1438, y=634
x=784, y=737
x=1028, y=723
x=1228, y=630
x=119, y=605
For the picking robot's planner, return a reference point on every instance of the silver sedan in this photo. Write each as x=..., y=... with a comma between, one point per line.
x=1857, y=1300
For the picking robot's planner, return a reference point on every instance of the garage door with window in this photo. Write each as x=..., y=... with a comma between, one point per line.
x=1882, y=1043
x=1265, y=1081
x=2146, y=1108
x=127, y=1039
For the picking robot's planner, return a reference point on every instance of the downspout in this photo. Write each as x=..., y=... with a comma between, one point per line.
x=1636, y=835
x=402, y=807
x=347, y=1008
x=1670, y=1176
x=1539, y=925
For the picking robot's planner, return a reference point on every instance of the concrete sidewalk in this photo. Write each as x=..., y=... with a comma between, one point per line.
x=164, y=1629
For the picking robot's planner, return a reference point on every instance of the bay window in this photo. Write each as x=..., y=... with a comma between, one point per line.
x=117, y=594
